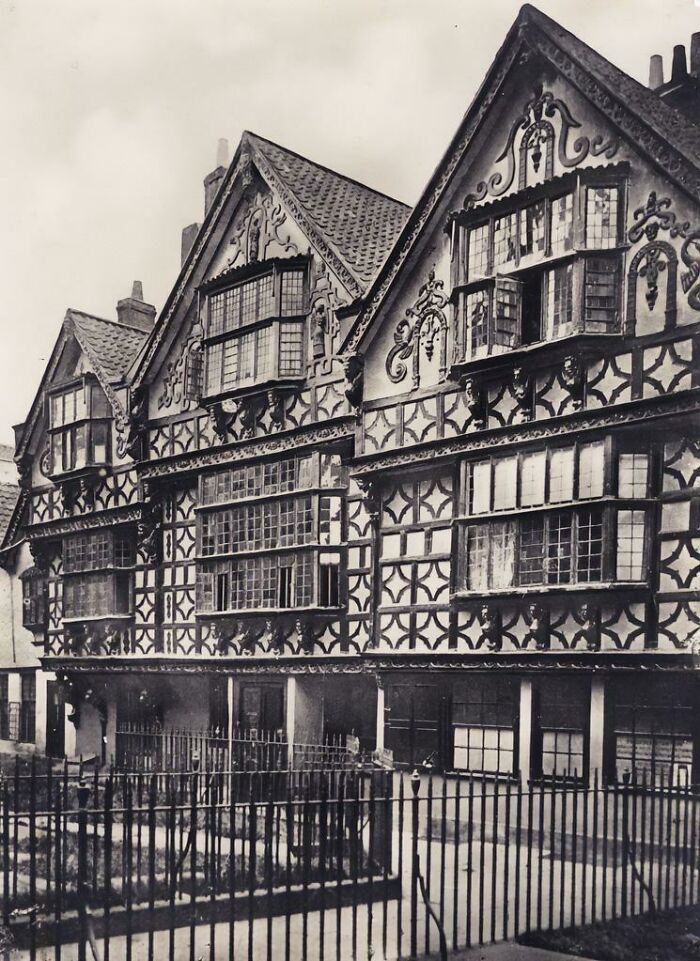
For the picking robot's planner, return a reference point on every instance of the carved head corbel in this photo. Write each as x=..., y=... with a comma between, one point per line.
x=247, y=415
x=275, y=405
x=275, y=637
x=305, y=636
x=371, y=497
x=491, y=627
x=474, y=396
x=354, y=369
x=521, y=389
x=220, y=422
x=573, y=378
x=589, y=618
x=40, y=556
x=537, y=620
x=319, y=329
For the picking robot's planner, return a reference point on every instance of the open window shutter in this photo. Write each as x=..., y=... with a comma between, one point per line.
x=194, y=374
x=507, y=312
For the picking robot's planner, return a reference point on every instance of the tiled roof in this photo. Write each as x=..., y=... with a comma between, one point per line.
x=8, y=498
x=359, y=223
x=666, y=121
x=114, y=346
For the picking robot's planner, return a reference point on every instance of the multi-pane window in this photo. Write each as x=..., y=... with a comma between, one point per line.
x=631, y=528
x=533, y=238
x=264, y=480
x=562, y=230
x=483, y=717
x=493, y=484
x=78, y=428
x=601, y=295
x=602, y=207
x=632, y=476
x=95, y=550
x=562, y=722
x=245, y=341
x=34, y=598
x=97, y=595
x=98, y=581
x=561, y=547
x=478, y=252
x=580, y=293
x=283, y=532
x=505, y=235
x=27, y=716
x=558, y=294
x=653, y=730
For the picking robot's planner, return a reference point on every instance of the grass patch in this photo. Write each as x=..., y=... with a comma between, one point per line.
x=664, y=936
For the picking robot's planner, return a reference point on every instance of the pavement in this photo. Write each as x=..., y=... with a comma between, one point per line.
x=508, y=952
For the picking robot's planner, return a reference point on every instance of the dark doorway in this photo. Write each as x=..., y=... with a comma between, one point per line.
x=262, y=707
x=417, y=723
x=55, y=719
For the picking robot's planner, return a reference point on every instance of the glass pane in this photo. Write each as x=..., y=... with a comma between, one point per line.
x=477, y=558
x=633, y=470
x=559, y=301
x=504, y=240
x=477, y=257
x=532, y=235
x=476, y=324
x=503, y=554
x=480, y=487
x=561, y=475
x=590, y=546
x=291, y=349
x=505, y=483
x=532, y=479
x=591, y=467
x=292, y=293
x=630, y=545
x=562, y=213
x=601, y=216
x=559, y=545
x=601, y=294
x=532, y=530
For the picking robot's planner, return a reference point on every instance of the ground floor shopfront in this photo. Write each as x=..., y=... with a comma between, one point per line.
x=564, y=721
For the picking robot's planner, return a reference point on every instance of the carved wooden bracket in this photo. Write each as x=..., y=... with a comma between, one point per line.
x=491, y=627
x=354, y=368
x=588, y=617
x=371, y=497
x=476, y=402
x=573, y=378
x=537, y=620
x=522, y=391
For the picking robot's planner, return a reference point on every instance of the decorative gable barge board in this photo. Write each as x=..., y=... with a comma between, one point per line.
x=248, y=450
x=531, y=36
x=245, y=155
x=625, y=663
x=640, y=411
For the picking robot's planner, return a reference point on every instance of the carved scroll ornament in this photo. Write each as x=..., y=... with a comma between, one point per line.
x=537, y=142
x=425, y=324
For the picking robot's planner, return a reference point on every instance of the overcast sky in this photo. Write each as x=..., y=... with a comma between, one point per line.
x=111, y=113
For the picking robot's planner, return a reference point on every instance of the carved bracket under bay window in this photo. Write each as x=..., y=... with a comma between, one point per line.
x=354, y=369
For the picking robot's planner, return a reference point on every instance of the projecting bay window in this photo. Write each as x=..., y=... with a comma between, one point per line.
x=270, y=534
x=79, y=428
x=98, y=574
x=547, y=269
x=256, y=330
x=34, y=598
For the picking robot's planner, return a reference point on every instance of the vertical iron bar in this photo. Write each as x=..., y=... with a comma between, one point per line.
x=455, y=872
x=108, y=801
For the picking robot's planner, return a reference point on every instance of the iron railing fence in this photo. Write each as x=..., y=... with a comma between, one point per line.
x=151, y=748
x=373, y=865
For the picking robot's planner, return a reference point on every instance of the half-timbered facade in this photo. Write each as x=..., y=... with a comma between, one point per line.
x=429, y=476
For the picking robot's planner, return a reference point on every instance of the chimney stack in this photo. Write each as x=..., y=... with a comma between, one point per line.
x=133, y=312
x=695, y=54
x=188, y=238
x=679, y=70
x=656, y=71
x=213, y=180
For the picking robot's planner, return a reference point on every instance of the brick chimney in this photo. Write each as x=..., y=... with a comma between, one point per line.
x=682, y=91
x=189, y=235
x=212, y=181
x=133, y=312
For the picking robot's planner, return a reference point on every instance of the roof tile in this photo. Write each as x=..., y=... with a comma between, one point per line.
x=359, y=223
x=114, y=345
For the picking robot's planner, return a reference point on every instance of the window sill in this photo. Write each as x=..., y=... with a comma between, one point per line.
x=97, y=618
x=265, y=611
x=549, y=590
x=555, y=349
x=282, y=382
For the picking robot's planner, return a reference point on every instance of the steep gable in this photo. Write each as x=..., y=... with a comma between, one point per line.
x=303, y=206
x=661, y=133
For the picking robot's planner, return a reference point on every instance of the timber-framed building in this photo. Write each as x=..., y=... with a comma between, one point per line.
x=427, y=476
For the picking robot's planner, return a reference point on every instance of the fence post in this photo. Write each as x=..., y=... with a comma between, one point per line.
x=83, y=792
x=415, y=863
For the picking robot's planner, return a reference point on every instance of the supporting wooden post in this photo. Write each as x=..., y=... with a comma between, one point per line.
x=525, y=730
x=596, y=739
x=380, y=713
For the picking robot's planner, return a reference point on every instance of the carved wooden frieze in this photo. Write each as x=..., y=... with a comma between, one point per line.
x=258, y=235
